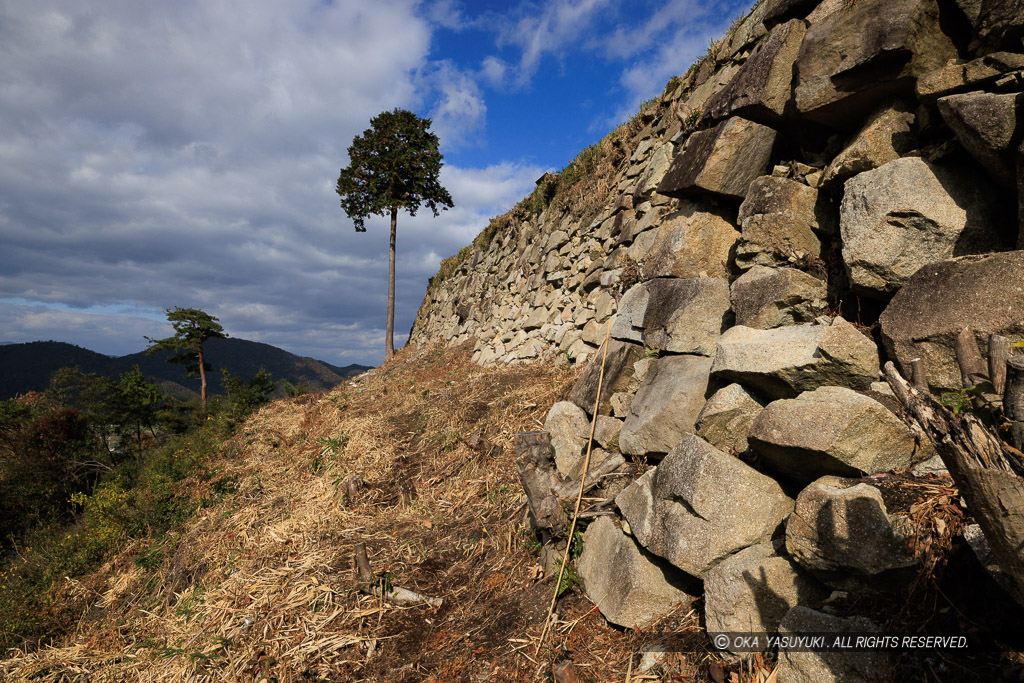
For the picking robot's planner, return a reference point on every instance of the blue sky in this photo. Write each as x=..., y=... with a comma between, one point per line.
x=155, y=155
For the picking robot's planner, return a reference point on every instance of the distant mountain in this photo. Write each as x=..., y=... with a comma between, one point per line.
x=27, y=367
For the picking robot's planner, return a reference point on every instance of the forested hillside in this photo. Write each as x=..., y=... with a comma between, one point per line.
x=28, y=367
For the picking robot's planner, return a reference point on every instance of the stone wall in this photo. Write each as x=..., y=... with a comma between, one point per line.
x=835, y=184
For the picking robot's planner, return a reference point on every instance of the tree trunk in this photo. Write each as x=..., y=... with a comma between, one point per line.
x=389, y=331
x=988, y=477
x=202, y=376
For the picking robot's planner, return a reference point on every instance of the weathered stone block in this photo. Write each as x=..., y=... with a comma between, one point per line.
x=725, y=419
x=762, y=87
x=907, y=214
x=855, y=55
x=885, y=137
x=985, y=293
x=1000, y=26
x=686, y=315
x=785, y=361
x=675, y=315
x=960, y=76
x=764, y=298
x=692, y=242
x=834, y=666
x=618, y=371
x=779, y=218
x=753, y=590
x=723, y=160
x=569, y=428
x=699, y=506
x=840, y=527
x=630, y=586
x=986, y=124
x=831, y=430
x=666, y=405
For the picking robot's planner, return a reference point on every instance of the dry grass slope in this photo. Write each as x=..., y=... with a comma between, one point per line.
x=261, y=587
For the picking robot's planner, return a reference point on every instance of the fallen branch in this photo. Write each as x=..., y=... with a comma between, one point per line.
x=988, y=476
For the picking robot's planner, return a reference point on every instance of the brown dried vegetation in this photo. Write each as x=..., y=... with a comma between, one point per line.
x=261, y=585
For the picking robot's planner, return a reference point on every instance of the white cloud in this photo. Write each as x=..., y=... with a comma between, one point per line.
x=494, y=71
x=460, y=113
x=561, y=24
x=185, y=154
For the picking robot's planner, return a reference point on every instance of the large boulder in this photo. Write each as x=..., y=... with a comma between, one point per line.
x=694, y=241
x=985, y=293
x=785, y=361
x=569, y=428
x=699, y=506
x=753, y=590
x=686, y=316
x=721, y=161
x=762, y=87
x=798, y=665
x=629, y=320
x=666, y=405
x=726, y=418
x=618, y=371
x=675, y=315
x=764, y=298
x=885, y=137
x=1000, y=26
x=630, y=586
x=778, y=218
x=841, y=532
x=986, y=124
x=857, y=54
x=831, y=430
x=906, y=214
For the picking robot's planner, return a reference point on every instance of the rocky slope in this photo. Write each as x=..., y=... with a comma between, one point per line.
x=835, y=184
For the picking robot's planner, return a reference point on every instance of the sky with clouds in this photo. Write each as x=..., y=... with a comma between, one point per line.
x=185, y=153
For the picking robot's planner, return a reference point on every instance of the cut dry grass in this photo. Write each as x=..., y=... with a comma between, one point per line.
x=261, y=585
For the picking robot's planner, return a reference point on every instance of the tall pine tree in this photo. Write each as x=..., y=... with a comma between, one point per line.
x=393, y=165
x=192, y=327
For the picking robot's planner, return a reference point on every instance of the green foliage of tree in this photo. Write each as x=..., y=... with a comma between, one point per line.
x=394, y=165
x=138, y=402
x=192, y=327
x=245, y=396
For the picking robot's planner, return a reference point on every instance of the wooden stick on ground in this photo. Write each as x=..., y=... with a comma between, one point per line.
x=382, y=588
x=579, y=496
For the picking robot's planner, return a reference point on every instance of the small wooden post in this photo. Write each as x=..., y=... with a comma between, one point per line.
x=972, y=370
x=1013, y=400
x=998, y=355
x=362, y=563
x=919, y=379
